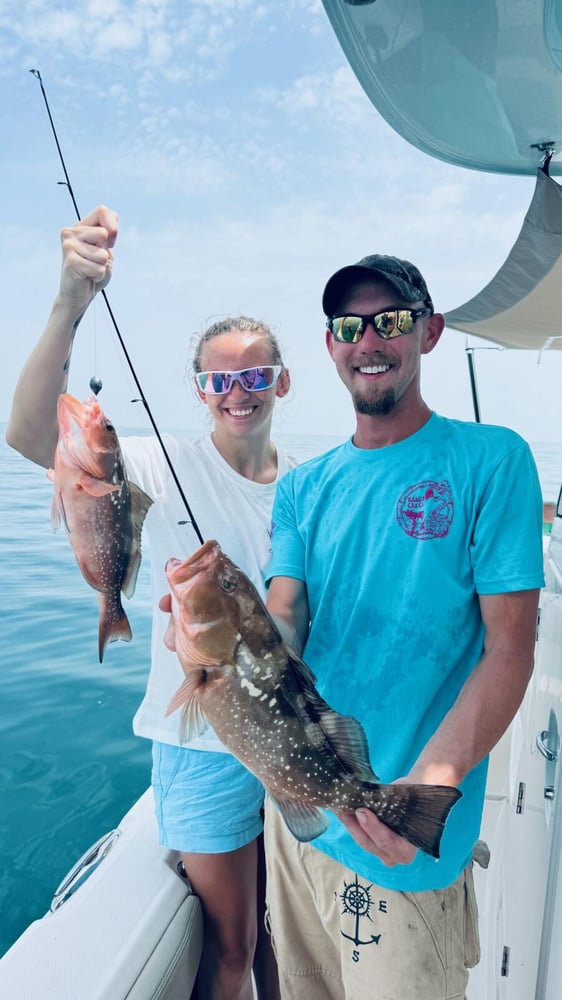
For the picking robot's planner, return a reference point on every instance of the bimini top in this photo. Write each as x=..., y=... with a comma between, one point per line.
x=477, y=83
x=520, y=307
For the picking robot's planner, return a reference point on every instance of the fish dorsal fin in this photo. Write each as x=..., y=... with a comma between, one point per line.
x=304, y=821
x=57, y=509
x=298, y=684
x=348, y=740
x=302, y=671
x=298, y=687
x=338, y=734
x=97, y=487
x=130, y=579
x=140, y=504
x=56, y=512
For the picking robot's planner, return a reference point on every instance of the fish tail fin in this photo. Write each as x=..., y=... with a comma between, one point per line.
x=416, y=812
x=113, y=624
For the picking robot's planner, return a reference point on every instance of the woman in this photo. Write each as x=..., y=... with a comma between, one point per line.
x=208, y=806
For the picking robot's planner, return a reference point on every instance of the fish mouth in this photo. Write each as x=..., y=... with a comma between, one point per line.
x=72, y=413
x=75, y=406
x=181, y=570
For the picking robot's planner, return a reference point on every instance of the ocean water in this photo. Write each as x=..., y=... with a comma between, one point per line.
x=70, y=766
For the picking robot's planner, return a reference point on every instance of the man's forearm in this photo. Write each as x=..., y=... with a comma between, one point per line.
x=488, y=701
x=288, y=604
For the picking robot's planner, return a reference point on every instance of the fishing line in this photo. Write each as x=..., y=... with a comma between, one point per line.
x=95, y=382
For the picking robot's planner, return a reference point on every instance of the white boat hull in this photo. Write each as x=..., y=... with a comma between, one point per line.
x=133, y=930
x=519, y=895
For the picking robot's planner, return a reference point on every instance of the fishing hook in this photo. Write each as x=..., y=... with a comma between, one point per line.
x=66, y=183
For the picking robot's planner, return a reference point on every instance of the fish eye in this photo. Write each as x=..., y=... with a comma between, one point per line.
x=229, y=584
x=109, y=426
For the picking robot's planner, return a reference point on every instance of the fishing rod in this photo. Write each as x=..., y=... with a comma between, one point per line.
x=95, y=383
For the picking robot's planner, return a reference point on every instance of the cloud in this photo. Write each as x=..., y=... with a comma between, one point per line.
x=189, y=40
x=335, y=90
x=247, y=164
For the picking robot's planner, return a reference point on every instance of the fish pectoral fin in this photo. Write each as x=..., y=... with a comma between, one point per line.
x=347, y=739
x=186, y=690
x=303, y=820
x=193, y=719
x=194, y=722
x=97, y=487
x=50, y=473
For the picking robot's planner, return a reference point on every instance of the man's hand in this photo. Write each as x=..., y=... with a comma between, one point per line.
x=377, y=838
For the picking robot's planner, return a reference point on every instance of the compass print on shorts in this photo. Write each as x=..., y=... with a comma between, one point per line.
x=357, y=902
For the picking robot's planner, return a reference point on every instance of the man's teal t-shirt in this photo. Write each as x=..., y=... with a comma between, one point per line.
x=395, y=545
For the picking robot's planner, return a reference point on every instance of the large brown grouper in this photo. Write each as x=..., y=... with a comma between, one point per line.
x=262, y=702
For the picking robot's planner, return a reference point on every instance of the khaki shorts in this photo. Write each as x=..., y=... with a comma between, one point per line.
x=336, y=935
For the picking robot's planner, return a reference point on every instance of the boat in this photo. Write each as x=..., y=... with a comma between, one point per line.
x=125, y=922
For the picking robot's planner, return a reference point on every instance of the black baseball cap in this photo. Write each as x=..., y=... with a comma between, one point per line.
x=401, y=274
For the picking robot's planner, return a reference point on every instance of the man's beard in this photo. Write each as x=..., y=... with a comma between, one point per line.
x=381, y=406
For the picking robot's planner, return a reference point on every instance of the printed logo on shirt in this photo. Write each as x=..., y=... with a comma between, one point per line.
x=357, y=910
x=426, y=509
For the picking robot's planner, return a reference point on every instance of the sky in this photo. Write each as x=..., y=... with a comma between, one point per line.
x=246, y=165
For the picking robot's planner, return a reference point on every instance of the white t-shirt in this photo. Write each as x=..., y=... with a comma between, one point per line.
x=226, y=506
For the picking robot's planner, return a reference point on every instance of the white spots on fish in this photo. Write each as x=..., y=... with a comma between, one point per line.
x=253, y=691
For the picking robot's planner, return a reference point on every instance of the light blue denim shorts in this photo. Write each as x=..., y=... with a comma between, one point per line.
x=205, y=802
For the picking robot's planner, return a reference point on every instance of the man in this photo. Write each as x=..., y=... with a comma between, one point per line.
x=406, y=566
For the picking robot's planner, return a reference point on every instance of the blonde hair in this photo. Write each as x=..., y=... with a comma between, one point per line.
x=246, y=325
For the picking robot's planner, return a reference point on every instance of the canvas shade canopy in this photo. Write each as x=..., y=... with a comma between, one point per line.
x=521, y=305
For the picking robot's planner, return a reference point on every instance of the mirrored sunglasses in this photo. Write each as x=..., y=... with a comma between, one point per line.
x=388, y=324
x=251, y=379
